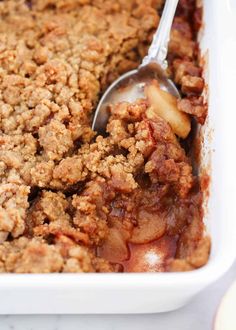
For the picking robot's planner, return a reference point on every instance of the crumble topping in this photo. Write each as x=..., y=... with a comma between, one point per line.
x=71, y=201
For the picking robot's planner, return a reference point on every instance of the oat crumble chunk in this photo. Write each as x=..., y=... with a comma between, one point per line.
x=72, y=201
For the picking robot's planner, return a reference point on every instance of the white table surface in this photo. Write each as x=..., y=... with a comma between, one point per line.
x=198, y=315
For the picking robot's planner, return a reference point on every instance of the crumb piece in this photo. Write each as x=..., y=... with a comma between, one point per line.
x=55, y=139
x=194, y=106
x=30, y=256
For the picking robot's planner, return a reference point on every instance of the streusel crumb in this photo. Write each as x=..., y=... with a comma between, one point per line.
x=72, y=201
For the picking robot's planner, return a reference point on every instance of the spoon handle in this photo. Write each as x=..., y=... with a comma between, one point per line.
x=159, y=47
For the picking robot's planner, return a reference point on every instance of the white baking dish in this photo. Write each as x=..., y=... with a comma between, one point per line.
x=146, y=293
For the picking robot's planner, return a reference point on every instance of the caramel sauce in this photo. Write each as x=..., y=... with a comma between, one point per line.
x=150, y=257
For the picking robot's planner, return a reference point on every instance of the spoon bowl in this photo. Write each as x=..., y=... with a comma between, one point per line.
x=130, y=86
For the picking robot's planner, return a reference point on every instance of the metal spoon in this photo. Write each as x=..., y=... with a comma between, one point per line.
x=130, y=86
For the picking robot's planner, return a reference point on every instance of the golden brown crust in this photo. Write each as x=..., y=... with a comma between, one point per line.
x=68, y=198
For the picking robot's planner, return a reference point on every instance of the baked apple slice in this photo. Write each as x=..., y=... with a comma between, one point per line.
x=151, y=226
x=164, y=105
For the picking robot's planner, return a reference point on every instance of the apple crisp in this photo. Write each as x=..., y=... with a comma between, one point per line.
x=73, y=201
